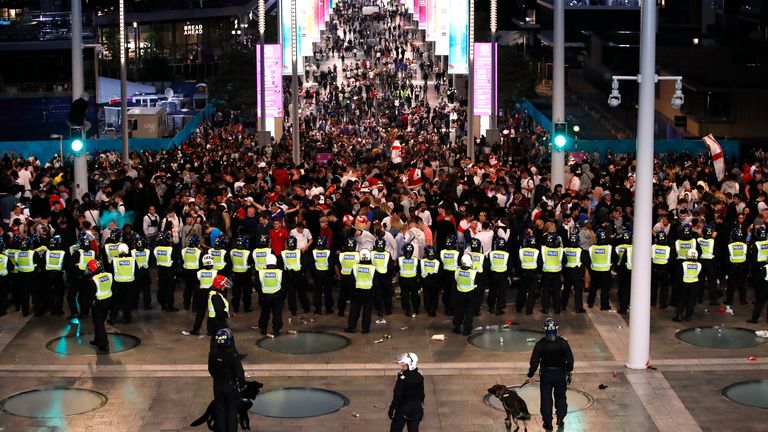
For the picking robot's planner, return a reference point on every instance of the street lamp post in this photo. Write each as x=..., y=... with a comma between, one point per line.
x=471, y=86
x=123, y=84
x=262, y=85
x=78, y=85
x=558, y=91
x=492, y=135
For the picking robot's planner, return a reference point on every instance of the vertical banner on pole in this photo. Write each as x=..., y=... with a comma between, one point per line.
x=432, y=20
x=458, y=55
x=422, y=14
x=415, y=8
x=305, y=17
x=273, y=86
x=482, y=78
x=323, y=4
x=316, y=20
x=443, y=19
x=285, y=37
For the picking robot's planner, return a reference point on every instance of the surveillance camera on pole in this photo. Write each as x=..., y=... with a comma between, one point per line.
x=614, y=99
x=678, y=99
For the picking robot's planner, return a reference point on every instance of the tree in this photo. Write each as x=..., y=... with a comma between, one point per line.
x=110, y=60
x=154, y=63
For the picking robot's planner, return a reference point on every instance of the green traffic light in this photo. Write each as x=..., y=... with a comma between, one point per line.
x=77, y=146
x=559, y=141
x=560, y=135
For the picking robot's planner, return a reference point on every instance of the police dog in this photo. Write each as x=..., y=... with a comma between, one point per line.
x=247, y=395
x=514, y=406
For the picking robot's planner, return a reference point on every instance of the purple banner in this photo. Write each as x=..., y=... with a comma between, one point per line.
x=422, y=14
x=273, y=86
x=483, y=76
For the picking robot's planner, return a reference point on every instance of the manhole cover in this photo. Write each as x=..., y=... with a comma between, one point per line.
x=577, y=399
x=506, y=339
x=304, y=343
x=749, y=393
x=53, y=402
x=720, y=337
x=81, y=344
x=298, y=402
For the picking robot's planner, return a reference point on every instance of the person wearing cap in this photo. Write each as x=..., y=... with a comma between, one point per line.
x=56, y=260
x=166, y=260
x=600, y=259
x=272, y=297
x=552, y=259
x=101, y=307
x=205, y=277
x=553, y=357
x=322, y=263
x=226, y=369
x=362, y=295
x=468, y=296
x=660, y=253
x=112, y=245
x=573, y=273
x=407, y=406
x=709, y=259
x=624, y=250
x=124, y=276
x=689, y=281
x=737, y=267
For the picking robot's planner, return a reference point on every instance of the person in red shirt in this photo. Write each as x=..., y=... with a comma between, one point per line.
x=278, y=234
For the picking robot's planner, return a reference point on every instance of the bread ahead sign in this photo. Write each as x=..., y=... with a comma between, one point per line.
x=193, y=29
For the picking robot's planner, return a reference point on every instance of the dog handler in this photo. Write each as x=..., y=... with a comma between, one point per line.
x=556, y=359
x=228, y=378
x=407, y=407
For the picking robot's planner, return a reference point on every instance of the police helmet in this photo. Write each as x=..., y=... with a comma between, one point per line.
x=380, y=245
x=94, y=266
x=351, y=244
x=687, y=232
x=551, y=326
x=2, y=244
x=220, y=242
x=224, y=338
x=165, y=238
x=194, y=240
x=601, y=236
x=552, y=240
x=114, y=235
x=707, y=231
x=408, y=250
x=661, y=237
x=760, y=233
x=499, y=243
x=123, y=250
x=221, y=282
x=573, y=239
x=26, y=243
x=291, y=242
x=84, y=242
x=365, y=255
x=429, y=252
x=139, y=243
x=466, y=260
x=450, y=242
x=271, y=260
x=262, y=241
x=241, y=242
x=410, y=359
x=626, y=236
x=475, y=245
x=736, y=234
x=693, y=254
x=207, y=260
x=322, y=242
x=55, y=242
x=529, y=241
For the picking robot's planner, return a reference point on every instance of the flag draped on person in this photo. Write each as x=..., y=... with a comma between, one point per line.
x=718, y=156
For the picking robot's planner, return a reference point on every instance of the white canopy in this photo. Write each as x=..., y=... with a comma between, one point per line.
x=109, y=88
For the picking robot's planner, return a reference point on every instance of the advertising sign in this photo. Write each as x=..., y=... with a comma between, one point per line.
x=483, y=76
x=458, y=54
x=285, y=38
x=443, y=19
x=273, y=86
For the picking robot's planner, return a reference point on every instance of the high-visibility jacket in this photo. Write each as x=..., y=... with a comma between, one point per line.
x=260, y=257
x=600, y=258
x=3, y=265
x=628, y=259
x=206, y=277
x=737, y=252
x=499, y=261
x=465, y=279
x=322, y=259
x=219, y=256
x=141, y=257
x=449, y=259
x=478, y=261
x=620, y=249
x=682, y=247
x=347, y=261
x=163, y=256
x=707, y=247
x=25, y=261
x=54, y=260
x=660, y=254
x=381, y=262
x=85, y=258
x=761, y=247
x=408, y=266
x=239, y=259
x=211, y=309
x=103, y=283
x=529, y=258
x=125, y=269
x=111, y=251
x=364, y=276
x=552, y=259
x=271, y=280
x=572, y=257
x=191, y=258
x=291, y=259
x=691, y=270
x=11, y=254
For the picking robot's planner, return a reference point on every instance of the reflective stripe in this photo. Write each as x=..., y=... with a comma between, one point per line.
x=499, y=261
x=125, y=268
x=260, y=257
x=381, y=261
x=25, y=261
x=3, y=265
x=762, y=250
x=322, y=259
x=660, y=254
x=691, y=270
x=164, y=256
x=211, y=309
x=408, y=266
x=218, y=258
x=572, y=257
x=191, y=258
x=529, y=258
x=103, y=283
x=628, y=261
x=478, y=261
x=429, y=267
x=239, y=258
x=450, y=259
x=683, y=246
x=600, y=258
x=111, y=251
x=54, y=260
x=348, y=261
x=291, y=259
x=271, y=280
x=141, y=257
x=364, y=276
x=84, y=259
x=465, y=279
x=737, y=252
x=707, y=248
x=552, y=259
x=206, y=278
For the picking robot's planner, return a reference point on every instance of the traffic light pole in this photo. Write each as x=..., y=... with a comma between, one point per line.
x=81, y=161
x=558, y=92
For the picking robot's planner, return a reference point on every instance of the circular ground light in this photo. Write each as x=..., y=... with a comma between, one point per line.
x=720, y=337
x=81, y=345
x=298, y=402
x=749, y=393
x=304, y=342
x=577, y=399
x=53, y=402
x=506, y=339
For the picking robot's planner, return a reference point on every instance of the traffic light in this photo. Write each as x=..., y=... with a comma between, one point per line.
x=560, y=136
x=77, y=146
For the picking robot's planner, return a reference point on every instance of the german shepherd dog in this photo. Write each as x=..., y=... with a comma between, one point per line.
x=249, y=393
x=514, y=406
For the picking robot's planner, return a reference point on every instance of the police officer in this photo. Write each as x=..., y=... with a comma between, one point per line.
x=362, y=297
x=553, y=354
x=347, y=261
x=218, y=307
x=660, y=270
x=529, y=265
x=467, y=296
x=6, y=267
x=112, y=245
x=219, y=254
x=498, y=276
x=689, y=288
x=761, y=291
x=124, y=275
x=205, y=277
x=260, y=253
x=430, y=283
x=141, y=255
x=683, y=245
x=27, y=262
x=758, y=256
x=382, y=281
x=708, y=259
x=601, y=258
x=13, y=273
x=624, y=269
x=272, y=297
x=80, y=293
x=226, y=369
x=242, y=287
x=573, y=273
x=737, y=267
x=295, y=284
x=56, y=260
x=322, y=259
x=552, y=256
x=480, y=264
x=449, y=260
x=190, y=258
x=407, y=407
x=408, y=265
x=102, y=304
x=166, y=260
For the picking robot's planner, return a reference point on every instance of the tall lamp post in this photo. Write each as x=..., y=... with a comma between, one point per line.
x=558, y=91
x=262, y=85
x=81, y=160
x=123, y=85
x=492, y=135
x=294, y=87
x=471, y=86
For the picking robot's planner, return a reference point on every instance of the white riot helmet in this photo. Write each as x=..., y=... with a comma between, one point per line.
x=207, y=261
x=466, y=260
x=410, y=359
x=123, y=249
x=365, y=255
x=693, y=255
x=271, y=259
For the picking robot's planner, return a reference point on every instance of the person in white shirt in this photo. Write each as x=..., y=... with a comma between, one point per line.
x=172, y=223
x=416, y=237
x=424, y=214
x=303, y=237
x=485, y=235
x=151, y=222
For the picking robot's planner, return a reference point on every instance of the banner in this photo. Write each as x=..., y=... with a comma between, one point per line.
x=422, y=14
x=285, y=38
x=415, y=9
x=431, y=20
x=273, y=86
x=458, y=54
x=482, y=80
x=718, y=157
x=443, y=19
x=305, y=17
x=323, y=13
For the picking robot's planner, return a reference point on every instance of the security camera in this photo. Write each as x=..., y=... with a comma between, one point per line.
x=678, y=98
x=614, y=99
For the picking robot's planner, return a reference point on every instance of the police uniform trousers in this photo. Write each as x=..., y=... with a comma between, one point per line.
x=101, y=308
x=201, y=308
x=216, y=323
x=323, y=294
x=361, y=299
x=431, y=292
x=573, y=280
x=449, y=290
x=56, y=291
x=761, y=292
x=481, y=281
x=708, y=281
x=465, y=305
x=550, y=291
x=736, y=281
x=4, y=285
x=271, y=304
x=526, y=291
x=553, y=379
x=382, y=290
x=191, y=283
x=166, y=287
x=625, y=285
x=295, y=286
x=142, y=288
x=27, y=286
x=76, y=281
x=226, y=401
x=38, y=290
x=409, y=295
x=123, y=294
x=686, y=299
x=677, y=275
x=16, y=282
x=601, y=280
x=242, y=288
x=346, y=287
x=660, y=285
x=497, y=291
x=408, y=414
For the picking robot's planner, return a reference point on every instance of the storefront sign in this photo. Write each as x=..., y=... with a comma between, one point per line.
x=193, y=29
